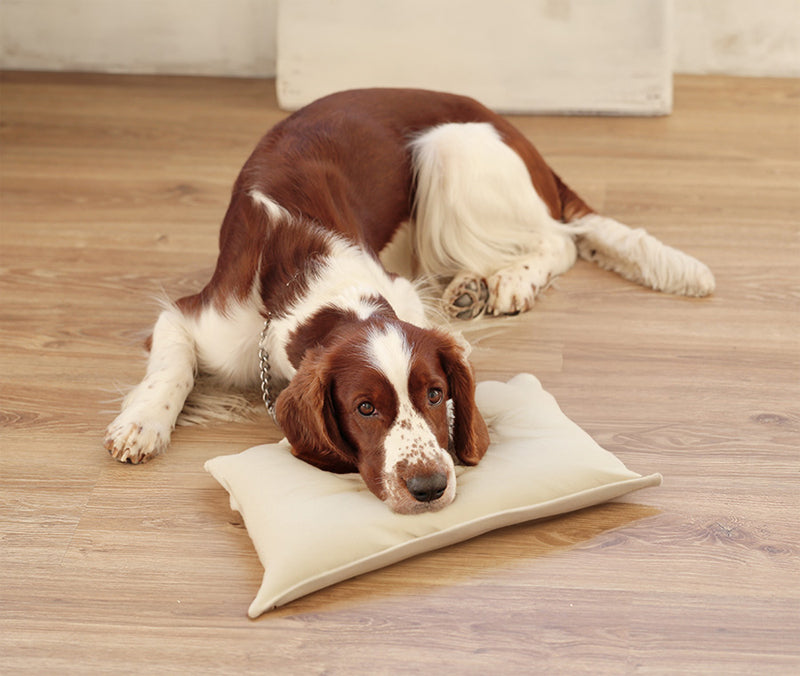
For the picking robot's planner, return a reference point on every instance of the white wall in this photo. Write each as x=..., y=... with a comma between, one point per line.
x=197, y=37
x=738, y=37
x=237, y=37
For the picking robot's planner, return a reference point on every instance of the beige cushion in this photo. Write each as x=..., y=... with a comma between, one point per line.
x=312, y=528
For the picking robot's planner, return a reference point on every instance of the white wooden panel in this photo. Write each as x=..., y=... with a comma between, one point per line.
x=566, y=56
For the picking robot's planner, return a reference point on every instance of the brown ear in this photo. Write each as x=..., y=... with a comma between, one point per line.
x=305, y=413
x=470, y=435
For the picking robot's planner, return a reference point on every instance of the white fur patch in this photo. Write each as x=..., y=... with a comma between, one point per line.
x=227, y=341
x=476, y=208
x=390, y=353
x=275, y=211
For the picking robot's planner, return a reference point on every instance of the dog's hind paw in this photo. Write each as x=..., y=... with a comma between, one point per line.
x=466, y=296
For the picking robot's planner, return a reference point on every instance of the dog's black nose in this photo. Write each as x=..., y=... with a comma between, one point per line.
x=427, y=488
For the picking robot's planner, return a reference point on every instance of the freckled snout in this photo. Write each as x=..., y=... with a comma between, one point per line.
x=427, y=487
x=419, y=474
x=424, y=486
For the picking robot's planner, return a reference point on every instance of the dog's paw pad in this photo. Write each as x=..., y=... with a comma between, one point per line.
x=466, y=296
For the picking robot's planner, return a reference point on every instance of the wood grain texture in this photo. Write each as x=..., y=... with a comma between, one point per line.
x=113, y=189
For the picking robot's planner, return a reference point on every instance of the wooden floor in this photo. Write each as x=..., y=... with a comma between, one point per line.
x=112, y=191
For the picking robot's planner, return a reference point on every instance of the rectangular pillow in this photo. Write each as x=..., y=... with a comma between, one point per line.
x=312, y=528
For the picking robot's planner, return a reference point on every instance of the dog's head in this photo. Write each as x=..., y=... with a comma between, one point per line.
x=376, y=401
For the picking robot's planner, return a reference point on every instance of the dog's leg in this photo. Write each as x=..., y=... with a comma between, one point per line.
x=640, y=257
x=513, y=288
x=480, y=218
x=142, y=429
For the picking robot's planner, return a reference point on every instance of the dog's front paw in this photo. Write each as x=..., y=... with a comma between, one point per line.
x=135, y=442
x=466, y=296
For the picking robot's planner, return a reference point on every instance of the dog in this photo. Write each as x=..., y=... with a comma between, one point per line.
x=358, y=376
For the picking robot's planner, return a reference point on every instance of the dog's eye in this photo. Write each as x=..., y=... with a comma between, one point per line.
x=435, y=396
x=366, y=409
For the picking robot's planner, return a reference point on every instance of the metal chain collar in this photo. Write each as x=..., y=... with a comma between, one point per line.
x=266, y=374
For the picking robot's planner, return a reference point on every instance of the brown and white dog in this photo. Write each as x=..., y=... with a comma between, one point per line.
x=370, y=384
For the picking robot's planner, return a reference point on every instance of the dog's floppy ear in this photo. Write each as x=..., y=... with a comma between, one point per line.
x=470, y=435
x=305, y=413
